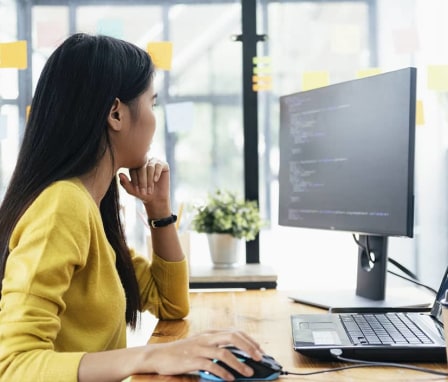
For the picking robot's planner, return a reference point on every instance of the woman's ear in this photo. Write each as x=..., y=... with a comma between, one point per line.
x=114, y=118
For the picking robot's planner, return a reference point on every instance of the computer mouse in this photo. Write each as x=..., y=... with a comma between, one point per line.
x=267, y=369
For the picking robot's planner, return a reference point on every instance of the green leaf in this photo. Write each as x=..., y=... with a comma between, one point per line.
x=224, y=212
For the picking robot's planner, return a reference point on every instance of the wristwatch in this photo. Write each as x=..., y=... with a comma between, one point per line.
x=162, y=222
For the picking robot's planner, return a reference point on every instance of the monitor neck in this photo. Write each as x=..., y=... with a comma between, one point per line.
x=372, y=267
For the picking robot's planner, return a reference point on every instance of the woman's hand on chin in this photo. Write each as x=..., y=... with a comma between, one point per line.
x=150, y=182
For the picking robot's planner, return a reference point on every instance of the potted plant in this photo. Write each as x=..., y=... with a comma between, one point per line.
x=227, y=220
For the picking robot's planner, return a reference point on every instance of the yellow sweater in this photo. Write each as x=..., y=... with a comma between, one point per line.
x=62, y=295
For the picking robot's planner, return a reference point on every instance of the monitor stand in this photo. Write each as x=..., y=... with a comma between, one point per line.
x=370, y=285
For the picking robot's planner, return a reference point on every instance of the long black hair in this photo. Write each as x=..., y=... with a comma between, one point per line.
x=67, y=134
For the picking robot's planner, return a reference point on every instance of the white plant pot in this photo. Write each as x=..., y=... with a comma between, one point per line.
x=225, y=250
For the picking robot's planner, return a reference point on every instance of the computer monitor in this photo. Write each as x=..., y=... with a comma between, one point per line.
x=347, y=164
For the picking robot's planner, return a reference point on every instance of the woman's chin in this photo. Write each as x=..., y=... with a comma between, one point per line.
x=136, y=164
x=143, y=162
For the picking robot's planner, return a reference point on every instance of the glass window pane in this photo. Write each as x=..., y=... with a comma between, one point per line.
x=206, y=60
x=9, y=88
x=8, y=24
x=49, y=29
x=9, y=143
x=317, y=36
x=207, y=70
x=137, y=24
x=8, y=33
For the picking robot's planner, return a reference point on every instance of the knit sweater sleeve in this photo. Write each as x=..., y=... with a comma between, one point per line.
x=163, y=286
x=45, y=251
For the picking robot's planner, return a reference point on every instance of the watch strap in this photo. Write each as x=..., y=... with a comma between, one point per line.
x=162, y=222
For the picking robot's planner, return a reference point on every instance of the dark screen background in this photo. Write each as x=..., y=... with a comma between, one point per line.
x=347, y=155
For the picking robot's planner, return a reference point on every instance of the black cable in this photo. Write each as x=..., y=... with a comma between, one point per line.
x=369, y=254
x=358, y=242
x=336, y=353
x=413, y=278
x=325, y=370
x=360, y=363
x=403, y=269
x=365, y=248
x=413, y=281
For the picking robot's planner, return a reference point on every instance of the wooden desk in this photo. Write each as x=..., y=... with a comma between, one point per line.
x=264, y=314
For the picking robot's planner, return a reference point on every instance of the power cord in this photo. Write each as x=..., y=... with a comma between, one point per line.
x=365, y=248
x=337, y=354
x=324, y=370
x=432, y=290
x=402, y=268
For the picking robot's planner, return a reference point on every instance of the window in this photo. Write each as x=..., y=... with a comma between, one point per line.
x=337, y=38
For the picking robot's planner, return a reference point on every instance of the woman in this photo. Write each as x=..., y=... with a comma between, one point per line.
x=69, y=283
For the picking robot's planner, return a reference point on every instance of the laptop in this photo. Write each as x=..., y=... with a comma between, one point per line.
x=364, y=334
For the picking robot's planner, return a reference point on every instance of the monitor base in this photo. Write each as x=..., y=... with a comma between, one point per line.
x=347, y=300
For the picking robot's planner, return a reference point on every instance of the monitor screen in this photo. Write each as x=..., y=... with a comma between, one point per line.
x=347, y=163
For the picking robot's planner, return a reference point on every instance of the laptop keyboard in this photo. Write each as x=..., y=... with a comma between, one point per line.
x=388, y=328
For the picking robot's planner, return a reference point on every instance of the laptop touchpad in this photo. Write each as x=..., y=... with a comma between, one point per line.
x=326, y=337
x=321, y=325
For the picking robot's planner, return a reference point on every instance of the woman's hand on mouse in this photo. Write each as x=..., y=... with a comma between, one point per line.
x=198, y=352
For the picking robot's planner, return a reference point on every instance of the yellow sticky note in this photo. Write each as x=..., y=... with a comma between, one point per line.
x=261, y=83
x=367, y=72
x=262, y=69
x=261, y=60
x=316, y=79
x=161, y=53
x=264, y=79
x=419, y=116
x=13, y=55
x=258, y=87
x=438, y=77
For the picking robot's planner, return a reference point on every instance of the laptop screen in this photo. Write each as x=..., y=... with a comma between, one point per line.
x=436, y=310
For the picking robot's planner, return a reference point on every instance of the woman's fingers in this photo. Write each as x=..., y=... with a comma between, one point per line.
x=142, y=181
